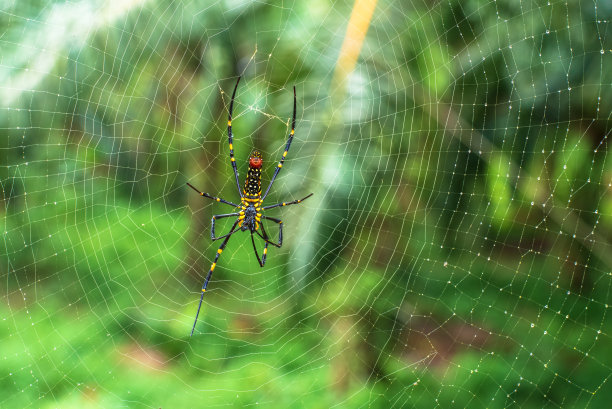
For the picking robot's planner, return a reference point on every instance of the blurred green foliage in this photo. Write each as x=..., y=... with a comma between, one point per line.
x=456, y=255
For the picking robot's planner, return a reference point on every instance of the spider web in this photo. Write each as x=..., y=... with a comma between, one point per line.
x=457, y=250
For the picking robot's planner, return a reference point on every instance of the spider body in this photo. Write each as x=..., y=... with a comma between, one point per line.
x=249, y=214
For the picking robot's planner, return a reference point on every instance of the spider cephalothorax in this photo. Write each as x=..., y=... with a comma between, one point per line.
x=249, y=216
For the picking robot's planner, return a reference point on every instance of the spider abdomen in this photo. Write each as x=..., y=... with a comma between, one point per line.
x=252, y=185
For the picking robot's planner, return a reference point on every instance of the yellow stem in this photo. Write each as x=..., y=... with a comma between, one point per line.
x=358, y=25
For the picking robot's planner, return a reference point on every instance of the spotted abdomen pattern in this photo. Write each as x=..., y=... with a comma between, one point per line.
x=252, y=186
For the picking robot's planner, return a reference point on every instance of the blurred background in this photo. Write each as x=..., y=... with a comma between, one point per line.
x=457, y=251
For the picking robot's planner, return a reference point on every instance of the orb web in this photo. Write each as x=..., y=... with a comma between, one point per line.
x=456, y=251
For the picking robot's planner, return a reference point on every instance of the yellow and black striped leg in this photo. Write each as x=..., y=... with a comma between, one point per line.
x=286, y=203
x=280, y=231
x=212, y=225
x=230, y=138
x=212, y=268
x=289, y=140
x=217, y=199
x=262, y=261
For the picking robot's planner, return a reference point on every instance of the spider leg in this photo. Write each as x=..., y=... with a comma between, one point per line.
x=289, y=140
x=280, y=231
x=287, y=203
x=230, y=138
x=266, y=240
x=262, y=261
x=212, y=267
x=212, y=226
x=218, y=199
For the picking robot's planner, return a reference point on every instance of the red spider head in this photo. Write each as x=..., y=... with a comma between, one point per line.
x=255, y=161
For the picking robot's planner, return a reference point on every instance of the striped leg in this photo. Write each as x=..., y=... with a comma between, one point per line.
x=212, y=225
x=286, y=203
x=262, y=261
x=280, y=164
x=212, y=268
x=218, y=199
x=280, y=231
x=230, y=138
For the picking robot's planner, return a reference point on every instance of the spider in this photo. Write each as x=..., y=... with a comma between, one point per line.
x=249, y=214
